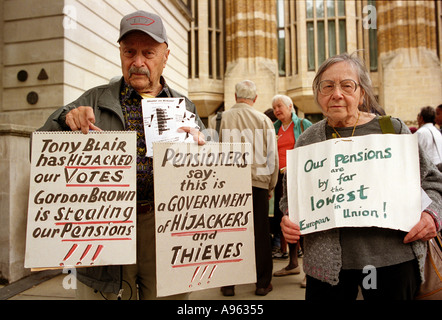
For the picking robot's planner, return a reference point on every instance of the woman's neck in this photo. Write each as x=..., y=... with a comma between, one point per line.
x=364, y=118
x=286, y=121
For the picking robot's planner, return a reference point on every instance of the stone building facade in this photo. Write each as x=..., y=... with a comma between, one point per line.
x=53, y=50
x=409, y=42
x=400, y=42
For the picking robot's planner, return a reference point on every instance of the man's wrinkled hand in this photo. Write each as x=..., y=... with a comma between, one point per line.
x=198, y=136
x=81, y=118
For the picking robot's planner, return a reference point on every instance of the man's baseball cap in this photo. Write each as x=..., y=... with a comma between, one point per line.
x=146, y=22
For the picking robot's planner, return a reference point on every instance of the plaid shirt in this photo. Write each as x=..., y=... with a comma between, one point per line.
x=130, y=102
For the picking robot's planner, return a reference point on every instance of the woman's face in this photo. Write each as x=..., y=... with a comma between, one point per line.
x=281, y=111
x=338, y=107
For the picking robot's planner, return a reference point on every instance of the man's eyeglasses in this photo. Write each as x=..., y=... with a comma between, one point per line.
x=327, y=87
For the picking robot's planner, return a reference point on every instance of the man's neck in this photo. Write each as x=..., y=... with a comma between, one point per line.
x=146, y=95
x=246, y=101
x=153, y=91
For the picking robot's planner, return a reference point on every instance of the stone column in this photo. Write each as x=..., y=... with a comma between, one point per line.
x=251, y=49
x=409, y=68
x=14, y=175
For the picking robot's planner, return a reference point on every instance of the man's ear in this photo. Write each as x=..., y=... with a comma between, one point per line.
x=166, y=57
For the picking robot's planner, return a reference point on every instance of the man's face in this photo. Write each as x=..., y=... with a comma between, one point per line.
x=420, y=120
x=142, y=61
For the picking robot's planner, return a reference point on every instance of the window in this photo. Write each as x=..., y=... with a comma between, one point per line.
x=216, y=41
x=438, y=7
x=326, y=30
x=206, y=39
x=287, y=30
x=367, y=33
x=193, y=40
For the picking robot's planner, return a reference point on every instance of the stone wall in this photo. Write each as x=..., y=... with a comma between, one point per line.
x=251, y=49
x=410, y=70
x=14, y=175
x=63, y=48
x=51, y=52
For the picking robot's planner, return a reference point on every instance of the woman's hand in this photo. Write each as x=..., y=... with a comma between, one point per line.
x=290, y=230
x=424, y=230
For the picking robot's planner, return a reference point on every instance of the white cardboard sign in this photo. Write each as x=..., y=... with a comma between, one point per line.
x=361, y=181
x=162, y=117
x=204, y=216
x=82, y=199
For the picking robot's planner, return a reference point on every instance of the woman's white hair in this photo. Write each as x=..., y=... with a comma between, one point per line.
x=286, y=100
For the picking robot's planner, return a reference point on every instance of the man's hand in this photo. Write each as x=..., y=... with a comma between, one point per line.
x=197, y=135
x=81, y=118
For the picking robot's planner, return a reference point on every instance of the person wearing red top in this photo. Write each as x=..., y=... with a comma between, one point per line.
x=288, y=128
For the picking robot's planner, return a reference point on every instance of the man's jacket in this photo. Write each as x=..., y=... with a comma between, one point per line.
x=105, y=101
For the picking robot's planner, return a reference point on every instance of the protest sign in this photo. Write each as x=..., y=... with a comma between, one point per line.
x=162, y=117
x=82, y=199
x=203, y=215
x=361, y=181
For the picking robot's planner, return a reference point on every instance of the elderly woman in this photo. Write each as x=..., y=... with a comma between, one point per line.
x=334, y=259
x=288, y=128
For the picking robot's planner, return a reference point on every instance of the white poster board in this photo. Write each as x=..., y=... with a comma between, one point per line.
x=359, y=182
x=162, y=117
x=82, y=199
x=204, y=216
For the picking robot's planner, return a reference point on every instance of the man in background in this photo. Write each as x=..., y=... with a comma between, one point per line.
x=439, y=117
x=257, y=129
x=429, y=137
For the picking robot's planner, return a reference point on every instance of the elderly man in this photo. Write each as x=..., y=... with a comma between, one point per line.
x=257, y=129
x=428, y=136
x=439, y=117
x=116, y=106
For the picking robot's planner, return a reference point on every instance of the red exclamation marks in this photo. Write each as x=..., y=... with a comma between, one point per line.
x=211, y=273
x=194, y=275
x=84, y=253
x=71, y=251
x=202, y=275
x=206, y=268
x=97, y=252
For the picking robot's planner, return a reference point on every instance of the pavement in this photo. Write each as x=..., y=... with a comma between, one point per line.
x=48, y=285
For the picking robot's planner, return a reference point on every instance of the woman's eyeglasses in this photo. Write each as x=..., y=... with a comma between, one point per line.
x=327, y=87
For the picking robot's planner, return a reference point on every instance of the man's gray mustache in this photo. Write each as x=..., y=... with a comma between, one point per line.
x=144, y=71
